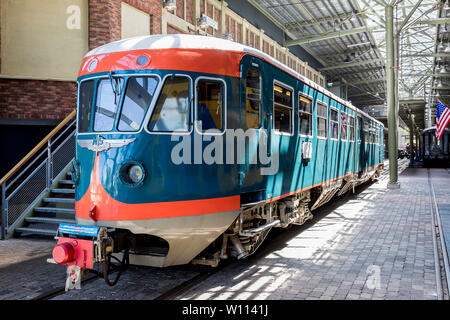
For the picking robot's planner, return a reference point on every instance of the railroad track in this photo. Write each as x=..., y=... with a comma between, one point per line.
x=442, y=269
x=60, y=290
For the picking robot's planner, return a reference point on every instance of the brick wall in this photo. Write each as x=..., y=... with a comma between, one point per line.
x=36, y=99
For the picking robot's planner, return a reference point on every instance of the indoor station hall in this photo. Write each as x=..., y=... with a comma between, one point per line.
x=224, y=154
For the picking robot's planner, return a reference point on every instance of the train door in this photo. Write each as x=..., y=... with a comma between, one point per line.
x=253, y=125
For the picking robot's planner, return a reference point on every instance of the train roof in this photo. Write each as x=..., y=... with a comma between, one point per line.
x=185, y=41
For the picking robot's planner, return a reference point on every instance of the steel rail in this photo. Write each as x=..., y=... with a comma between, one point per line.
x=441, y=238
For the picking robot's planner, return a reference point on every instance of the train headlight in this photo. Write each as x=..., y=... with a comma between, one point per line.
x=135, y=173
x=132, y=173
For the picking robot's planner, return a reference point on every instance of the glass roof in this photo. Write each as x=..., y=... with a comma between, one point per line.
x=348, y=38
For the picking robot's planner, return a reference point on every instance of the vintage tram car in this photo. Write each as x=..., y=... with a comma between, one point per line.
x=435, y=153
x=160, y=176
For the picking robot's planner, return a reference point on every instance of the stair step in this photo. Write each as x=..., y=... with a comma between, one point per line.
x=65, y=181
x=72, y=191
x=59, y=200
x=48, y=220
x=47, y=232
x=54, y=210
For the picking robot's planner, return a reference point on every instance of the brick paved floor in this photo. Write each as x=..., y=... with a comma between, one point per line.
x=24, y=271
x=377, y=245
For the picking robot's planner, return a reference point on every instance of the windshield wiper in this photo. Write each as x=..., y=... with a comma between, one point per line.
x=115, y=86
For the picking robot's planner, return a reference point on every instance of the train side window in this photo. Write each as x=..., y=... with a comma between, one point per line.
x=210, y=102
x=366, y=133
x=85, y=105
x=138, y=96
x=351, y=128
x=282, y=110
x=172, y=110
x=360, y=129
x=322, y=119
x=253, y=99
x=107, y=103
x=334, y=123
x=305, y=116
x=344, y=120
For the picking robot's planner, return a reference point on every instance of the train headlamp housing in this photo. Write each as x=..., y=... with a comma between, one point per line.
x=132, y=174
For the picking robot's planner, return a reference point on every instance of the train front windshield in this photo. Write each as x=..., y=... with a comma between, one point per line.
x=105, y=100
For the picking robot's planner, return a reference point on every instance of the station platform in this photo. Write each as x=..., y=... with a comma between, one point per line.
x=375, y=244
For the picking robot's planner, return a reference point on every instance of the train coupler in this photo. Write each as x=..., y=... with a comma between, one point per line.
x=79, y=248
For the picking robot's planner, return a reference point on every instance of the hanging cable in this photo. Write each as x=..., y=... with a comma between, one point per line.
x=107, y=265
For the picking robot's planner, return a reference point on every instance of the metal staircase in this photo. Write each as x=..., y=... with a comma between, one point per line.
x=58, y=207
x=38, y=193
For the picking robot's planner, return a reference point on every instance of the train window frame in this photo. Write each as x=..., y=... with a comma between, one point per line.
x=126, y=76
x=342, y=112
x=306, y=96
x=360, y=125
x=224, y=108
x=371, y=133
x=366, y=132
x=287, y=87
x=324, y=104
x=98, y=84
x=158, y=91
x=91, y=105
x=351, y=128
x=338, y=124
x=260, y=98
x=149, y=108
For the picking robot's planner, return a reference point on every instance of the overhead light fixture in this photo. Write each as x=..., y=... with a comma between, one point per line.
x=443, y=69
x=447, y=49
x=170, y=5
x=228, y=36
x=203, y=22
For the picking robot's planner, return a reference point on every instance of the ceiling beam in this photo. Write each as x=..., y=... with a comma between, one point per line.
x=305, y=23
x=327, y=36
x=354, y=64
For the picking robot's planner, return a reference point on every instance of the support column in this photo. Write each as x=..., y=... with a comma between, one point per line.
x=392, y=114
x=411, y=140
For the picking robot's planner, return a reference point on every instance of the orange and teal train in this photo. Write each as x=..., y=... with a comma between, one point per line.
x=150, y=111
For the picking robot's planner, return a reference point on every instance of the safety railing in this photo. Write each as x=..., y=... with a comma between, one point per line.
x=25, y=184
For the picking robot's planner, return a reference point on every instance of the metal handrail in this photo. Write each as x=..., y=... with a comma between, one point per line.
x=16, y=168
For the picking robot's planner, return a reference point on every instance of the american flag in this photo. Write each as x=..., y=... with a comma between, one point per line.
x=442, y=118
